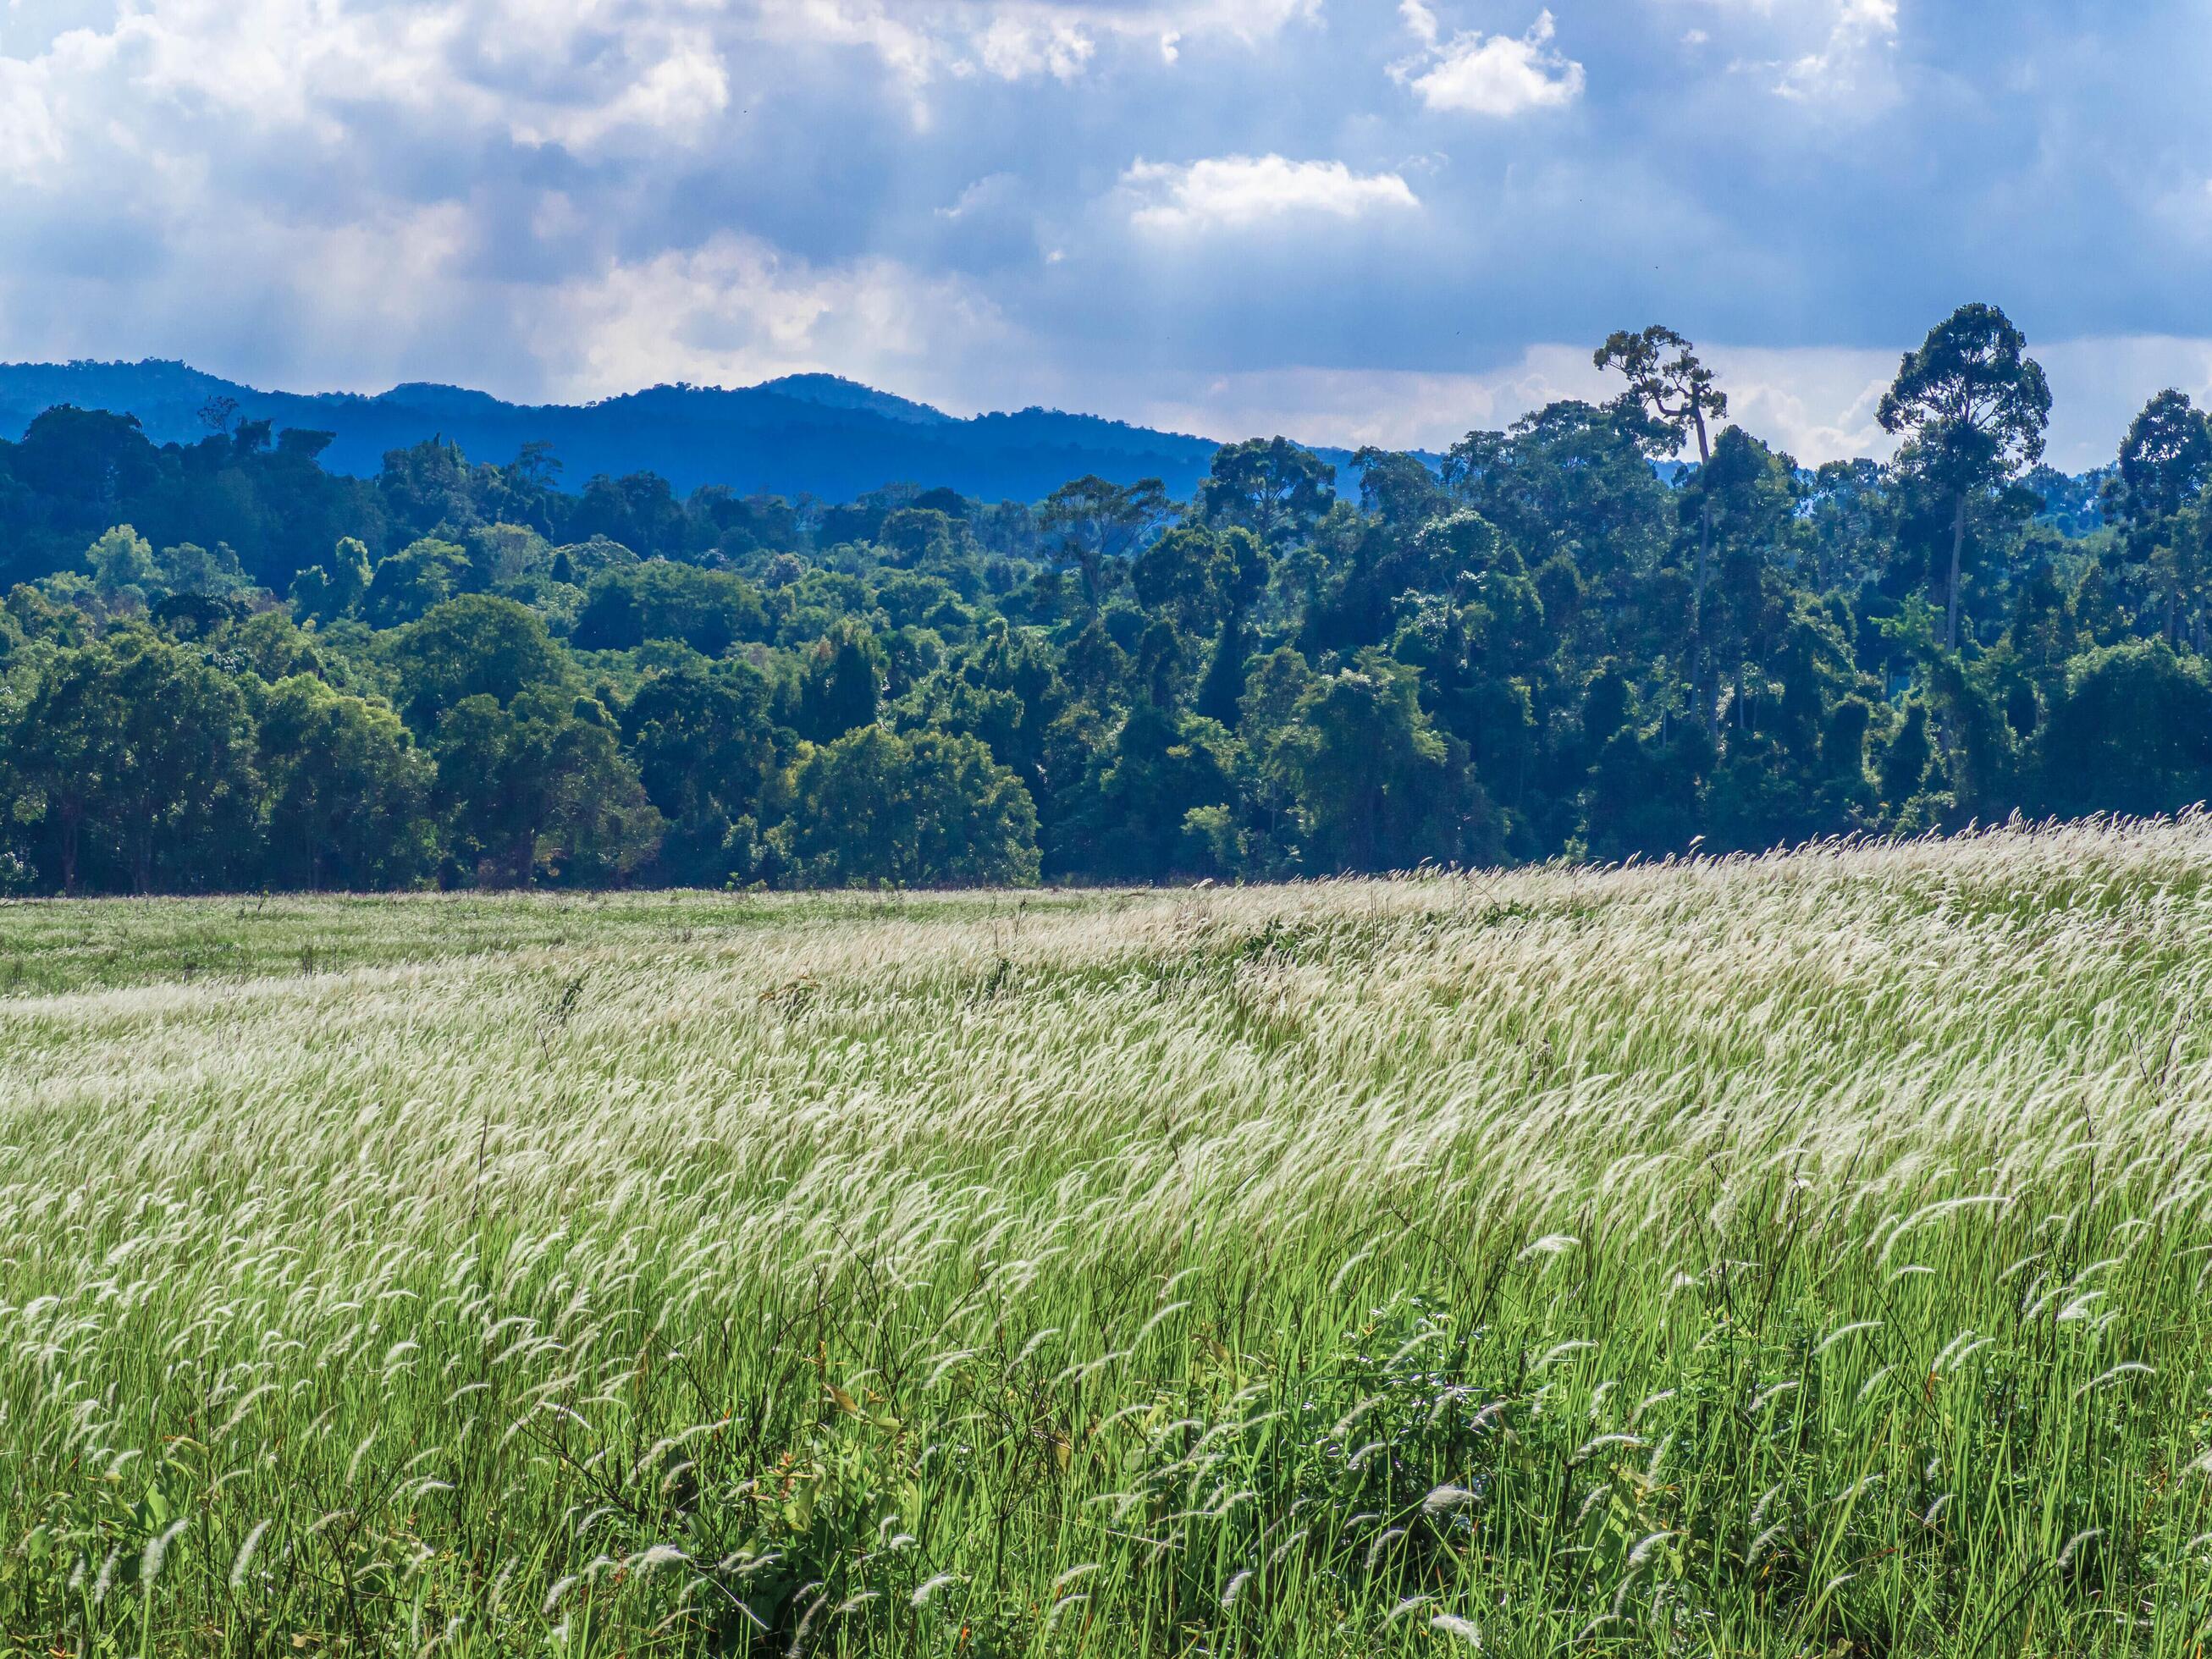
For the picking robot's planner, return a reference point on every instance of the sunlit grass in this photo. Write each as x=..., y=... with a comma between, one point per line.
x=1801, y=1255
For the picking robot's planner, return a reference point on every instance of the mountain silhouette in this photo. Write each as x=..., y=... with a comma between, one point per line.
x=804, y=434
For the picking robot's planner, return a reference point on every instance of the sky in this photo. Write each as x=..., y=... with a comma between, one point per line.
x=1352, y=221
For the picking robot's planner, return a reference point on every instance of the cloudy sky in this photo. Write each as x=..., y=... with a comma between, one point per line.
x=1350, y=220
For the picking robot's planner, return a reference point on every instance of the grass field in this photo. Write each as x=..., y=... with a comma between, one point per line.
x=1795, y=1256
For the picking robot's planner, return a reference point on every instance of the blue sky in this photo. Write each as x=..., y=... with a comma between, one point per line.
x=1350, y=220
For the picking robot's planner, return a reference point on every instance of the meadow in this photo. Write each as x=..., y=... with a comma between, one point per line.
x=1800, y=1255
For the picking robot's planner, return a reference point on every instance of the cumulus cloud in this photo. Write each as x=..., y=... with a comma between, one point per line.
x=178, y=72
x=925, y=41
x=1495, y=75
x=735, y=310
x=1012, y=45
x=1235, y=190
x=553, y=197
x=1861, y=30
x=673, y=97
x=30, y=139
x=1809, y=52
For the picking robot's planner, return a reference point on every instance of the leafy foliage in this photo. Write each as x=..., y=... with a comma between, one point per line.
x=1553, y=640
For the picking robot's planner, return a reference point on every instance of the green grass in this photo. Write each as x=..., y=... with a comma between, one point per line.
x=1793, y=1256
x=55, y=945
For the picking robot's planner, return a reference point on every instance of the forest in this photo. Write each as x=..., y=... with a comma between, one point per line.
x=1616, y=630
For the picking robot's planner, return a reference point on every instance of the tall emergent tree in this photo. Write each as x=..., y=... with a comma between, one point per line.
x=2153, y=500
x=2165, y=463
x=1676, y=394
x=1973, y=405
x=1270, y=486
x=1090, y=522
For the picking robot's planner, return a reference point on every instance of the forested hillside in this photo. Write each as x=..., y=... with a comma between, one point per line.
x=801, y=434
x=225, y=666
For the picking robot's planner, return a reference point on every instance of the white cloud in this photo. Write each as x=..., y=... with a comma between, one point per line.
x=1495, y=75
x=1236, y=190
x=561, y=196
x=1012, y=45
x=923, y=40
x=1817, y=403
x=1397, y=409
x=675, y=98
x=735, y=310
x=907, y=49
x=583, y=76
x=1863, y=28
x=1811, y=51
x=986, y=195
x=30, y=140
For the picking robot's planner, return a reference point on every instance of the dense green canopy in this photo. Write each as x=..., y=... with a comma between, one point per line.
x=222, y=666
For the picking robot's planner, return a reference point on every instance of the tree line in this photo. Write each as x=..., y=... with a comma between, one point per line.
x=222, y=668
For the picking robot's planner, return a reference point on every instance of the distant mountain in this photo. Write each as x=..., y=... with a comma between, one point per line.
x=815, y=434
x=836, y=392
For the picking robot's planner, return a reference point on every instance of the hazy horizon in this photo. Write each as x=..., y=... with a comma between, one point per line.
x=1817, y=406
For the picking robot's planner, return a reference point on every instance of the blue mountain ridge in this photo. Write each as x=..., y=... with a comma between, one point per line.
x=812, y=434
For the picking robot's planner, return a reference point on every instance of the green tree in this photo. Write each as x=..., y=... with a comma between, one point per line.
x=2130, y=732
x=123, y=570
x=2152, y=499
x=190, y=569
x=1746, y=502
x=1646, y=792
x=184, y=790
x=1004, y=691
x=1181, y=575
x=929, y=810
x=140, y=755
x=1667, y=383
x=711, y=760
x=1373, y=781
x=346, y=792
x=1905, y=762
x=337, y=588
x=476, y=645
x=62, y=753
x=1572, y=481
x=710, y=611
x=1131, y=822
x=1268, y=486
x=1093, y=525
x=540, y=790
x=1973, y=406
x=1400, y=490
x=422, y=574
x=919, y=534
x=2165, y=462
x=841, y=683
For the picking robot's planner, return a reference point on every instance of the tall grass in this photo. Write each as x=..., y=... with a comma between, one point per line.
x=1800, y=1256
